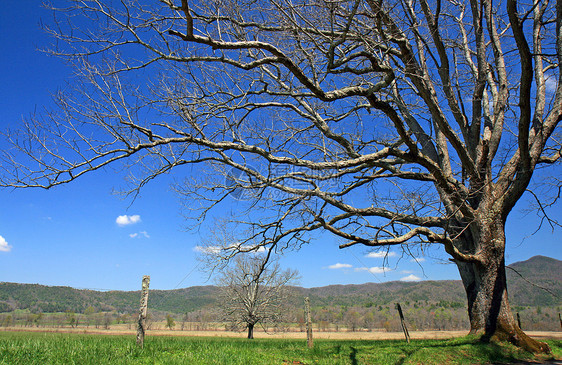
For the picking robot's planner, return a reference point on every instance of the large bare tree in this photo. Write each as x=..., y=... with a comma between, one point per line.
x=383, y=122
x=254, y=290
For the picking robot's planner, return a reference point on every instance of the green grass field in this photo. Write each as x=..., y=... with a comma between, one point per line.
x=53, y=348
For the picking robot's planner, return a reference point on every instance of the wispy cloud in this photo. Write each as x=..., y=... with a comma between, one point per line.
x=4, y=246
x=237, y=247
x=340, y=266
x=141, y=234
x=380, y=254
x=125, y=220
x=213, y=250
x=247, y=248
x=406, y=272
x=411, y=277
x=417, y=259
x=374, y=270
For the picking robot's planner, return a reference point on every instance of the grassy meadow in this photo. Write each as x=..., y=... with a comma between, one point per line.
x=56, y=348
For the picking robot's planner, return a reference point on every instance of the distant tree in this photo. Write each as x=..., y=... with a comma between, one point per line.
x=369, y=320
x=107, y=319
x=253, y=290
x=352, y=319
x=60, y=319
x=149, y=321
x=8, y=320
x=183, y=321
x=98, y=319
x=170, y=323
x=70, y=318
x=38, y=318
x=29, y=319
x=300, y=321
x=123, y=318
x=89, y=312
x=77, y=320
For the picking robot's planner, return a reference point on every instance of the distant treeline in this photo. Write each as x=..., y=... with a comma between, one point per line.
x=535, y=289
x=420, y=315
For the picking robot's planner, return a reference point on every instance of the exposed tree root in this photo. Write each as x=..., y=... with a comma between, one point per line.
x=517, y=337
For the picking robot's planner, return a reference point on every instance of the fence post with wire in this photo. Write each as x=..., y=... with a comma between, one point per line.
x=141, y=328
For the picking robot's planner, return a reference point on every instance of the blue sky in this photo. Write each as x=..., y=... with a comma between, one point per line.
x=71, y=235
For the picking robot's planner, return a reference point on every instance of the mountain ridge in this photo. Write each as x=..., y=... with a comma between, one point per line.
x=527, y=281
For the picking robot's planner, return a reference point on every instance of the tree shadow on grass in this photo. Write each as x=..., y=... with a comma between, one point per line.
x=353, y=356
x=399, y=352
x=406, y=357
x=487, y=352
x=421, y=351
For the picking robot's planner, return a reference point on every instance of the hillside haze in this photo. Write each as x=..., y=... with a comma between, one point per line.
x=526, y=282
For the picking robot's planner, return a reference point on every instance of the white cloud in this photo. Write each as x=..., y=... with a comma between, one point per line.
x=141, y=234
x=411, y=277
x=380, y=254
x=417, y=259
x=374, y=270
x=406, y=271
x=215, y=250
x=247, y=248
x=208, y=249
x=4, y=246
x=340, y=266
x=125, y=220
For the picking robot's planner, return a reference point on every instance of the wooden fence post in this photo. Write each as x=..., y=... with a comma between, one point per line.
x=309, y=341
x=403, y=322
x=141, y=328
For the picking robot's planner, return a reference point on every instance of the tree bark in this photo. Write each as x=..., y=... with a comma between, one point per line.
x=486, y=289
x=250, y=331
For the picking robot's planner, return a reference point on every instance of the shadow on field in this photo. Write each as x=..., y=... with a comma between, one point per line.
x=431, y=352
x=408, y=354
x=353, y=356
x=490, y=351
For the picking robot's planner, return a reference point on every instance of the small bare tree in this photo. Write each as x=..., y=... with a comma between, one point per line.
x=254, y=289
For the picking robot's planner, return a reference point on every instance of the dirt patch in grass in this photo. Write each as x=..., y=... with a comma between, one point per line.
x=342, y=335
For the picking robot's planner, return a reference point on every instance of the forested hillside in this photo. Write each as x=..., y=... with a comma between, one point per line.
x=536, y=282
x=535, y=288
x=50, y=299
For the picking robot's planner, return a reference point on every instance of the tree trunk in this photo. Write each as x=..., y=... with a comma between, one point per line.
x=486, y=289
x=250, y=331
